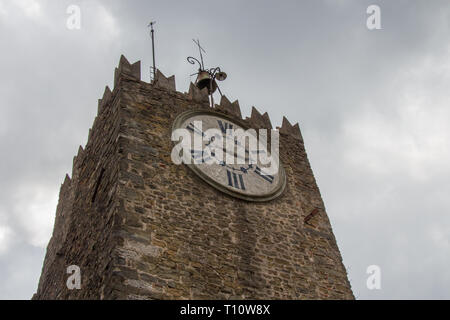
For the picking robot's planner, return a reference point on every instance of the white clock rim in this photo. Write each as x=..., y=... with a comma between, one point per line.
x=282, y=181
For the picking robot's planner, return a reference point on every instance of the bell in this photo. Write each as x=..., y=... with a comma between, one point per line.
x=204, y=81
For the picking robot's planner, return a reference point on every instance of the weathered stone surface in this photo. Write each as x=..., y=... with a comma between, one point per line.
x=141, y=227
x=260, y=121
x=292, y=130
x=132, y=71
x=197, y=94
x=105, y=100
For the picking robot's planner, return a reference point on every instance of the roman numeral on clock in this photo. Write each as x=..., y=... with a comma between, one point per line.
x=264, y=176
x=194, y=129
x=235, y=180
x=224, y=126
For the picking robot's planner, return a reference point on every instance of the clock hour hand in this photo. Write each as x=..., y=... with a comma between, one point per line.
x=244, y=170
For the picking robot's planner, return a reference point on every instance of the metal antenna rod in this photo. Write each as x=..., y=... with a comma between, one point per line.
x=153, y=48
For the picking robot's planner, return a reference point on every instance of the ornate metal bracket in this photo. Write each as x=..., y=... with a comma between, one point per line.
x=206, y=78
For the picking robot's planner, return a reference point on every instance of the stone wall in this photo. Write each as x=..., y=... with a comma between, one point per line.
x=84, y=233
x=149, y=229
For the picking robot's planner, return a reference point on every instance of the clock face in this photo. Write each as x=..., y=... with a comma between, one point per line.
x=235, y=170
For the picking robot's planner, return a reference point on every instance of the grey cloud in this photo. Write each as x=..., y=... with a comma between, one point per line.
x=358, y=94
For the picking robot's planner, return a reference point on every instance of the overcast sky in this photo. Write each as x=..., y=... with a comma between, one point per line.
x=373, y=107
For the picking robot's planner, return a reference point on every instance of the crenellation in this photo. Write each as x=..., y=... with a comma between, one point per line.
x=267, y=121
x=229, y=108
x=76, y=162
x=66, y=182
x=125, y=69
x=161, y=81
x=260, y=121
x=197, y=94
x=236, y=109
x=133, y=70
x=288, y=129
x=104, y=101
x=136, y=70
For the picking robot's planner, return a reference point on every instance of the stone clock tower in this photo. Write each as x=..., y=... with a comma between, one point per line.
x=139, y=226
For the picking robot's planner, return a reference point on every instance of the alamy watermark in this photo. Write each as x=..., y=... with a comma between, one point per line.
x=74, y=280
x=74, y=20
x=230, y=146
x=374, y=280
x=374, y=20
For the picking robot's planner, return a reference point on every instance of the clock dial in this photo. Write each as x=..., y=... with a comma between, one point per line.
x=244, y=177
